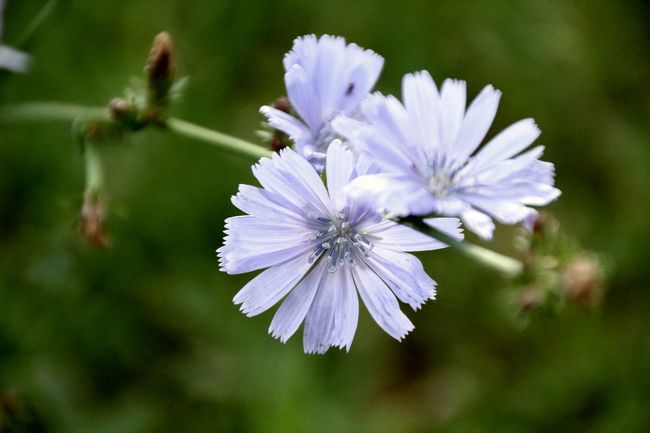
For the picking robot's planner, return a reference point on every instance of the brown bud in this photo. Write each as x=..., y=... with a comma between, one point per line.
x=160, y=65
x=277, y=144
x=160, y=69
x=540, y=222
x=529, y=300
x=282, y=104
x=582, y=281
x=92, y=223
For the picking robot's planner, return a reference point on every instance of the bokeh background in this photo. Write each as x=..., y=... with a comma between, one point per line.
x=143, y=337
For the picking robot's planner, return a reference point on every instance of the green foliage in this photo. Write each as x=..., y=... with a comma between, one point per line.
x=143, y=337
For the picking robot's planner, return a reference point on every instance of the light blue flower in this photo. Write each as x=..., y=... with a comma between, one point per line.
x=322, y=252
x=10, y=58
x=324, y=78
x=427, y=148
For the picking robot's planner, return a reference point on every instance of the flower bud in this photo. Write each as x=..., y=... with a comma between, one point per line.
x=124, y=112
x=92, y=222
x=278, y=143
x=530, y=300
x=282, y=104
x=160, y=70
x=540, y=222
x=582, y=281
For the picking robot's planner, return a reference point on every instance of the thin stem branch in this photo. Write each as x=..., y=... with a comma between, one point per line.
x=37, y=22
x=506, y=265
x=215, y=138
x=45, y=111
x=94, y=171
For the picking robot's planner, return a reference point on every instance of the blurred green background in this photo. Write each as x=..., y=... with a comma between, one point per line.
x=143, y=337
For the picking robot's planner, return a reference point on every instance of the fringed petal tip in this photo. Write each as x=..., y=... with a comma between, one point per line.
x=406, y=332
x=417, y=306
x=323, y=350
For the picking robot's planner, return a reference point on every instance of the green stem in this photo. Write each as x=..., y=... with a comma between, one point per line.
x=506, y=265
x=215, y=138
x=43, y=111
x=94, y=172
x=37, y=22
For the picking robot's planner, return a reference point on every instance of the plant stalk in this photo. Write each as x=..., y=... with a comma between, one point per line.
x=505, y=265
x=45, y=111
x=215, y=138
x=94, y=172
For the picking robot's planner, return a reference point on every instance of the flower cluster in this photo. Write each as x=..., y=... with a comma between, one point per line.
x=10, y=58
x=324, y=244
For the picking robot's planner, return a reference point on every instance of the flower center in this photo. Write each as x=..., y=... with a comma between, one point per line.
x=440, y=184
x=444, y=176
x=339, y=242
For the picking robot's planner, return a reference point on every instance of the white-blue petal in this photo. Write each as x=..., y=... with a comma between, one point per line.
x=423, y=105
x=449, y=226
x=453, y=95
x=266, y=289
x=504, y=211
x=329, y=76
x=404, y=274
x=267, y=204
x=346, y=311
x=401, y=238
x=507, y=143
x=381, y=302
x=238, y=258
x=286, y=123
x=476, y=123
x=292, y=177
x=301, y=93
x=319, y=322
x=339, y=170
x=392, y=193
x=294, y=308
x=479, y=223
x=13, y=60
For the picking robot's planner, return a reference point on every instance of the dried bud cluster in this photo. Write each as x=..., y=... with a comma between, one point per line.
x=557, y=271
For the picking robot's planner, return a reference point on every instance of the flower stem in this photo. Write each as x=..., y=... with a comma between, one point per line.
x=43, y=111
x=215, y=138
x=507, y=266
x=37, y=22
x=94, y=171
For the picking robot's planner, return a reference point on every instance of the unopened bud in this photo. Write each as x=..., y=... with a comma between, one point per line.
x=282, y=104
x=277, y=144
x=540, y=222
x=123, y=111
x=92, y=223
x=529, y=300
x=160, y=69
x=582, y=281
